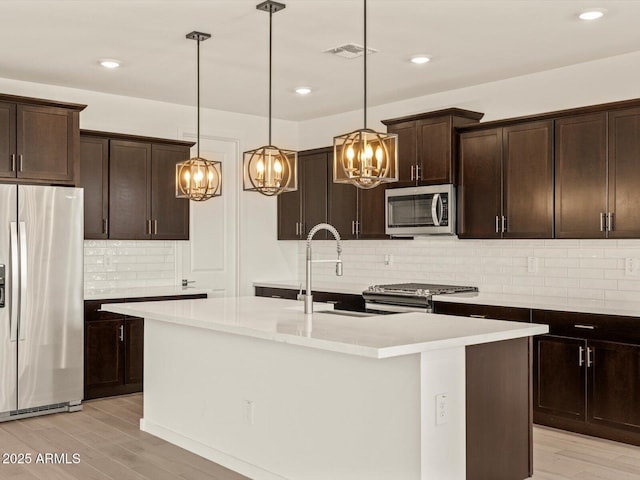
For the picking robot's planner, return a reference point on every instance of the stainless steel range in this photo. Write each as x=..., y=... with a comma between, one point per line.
x=407, y=297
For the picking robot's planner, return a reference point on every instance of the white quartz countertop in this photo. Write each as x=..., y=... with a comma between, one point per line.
x=379, y=336
x=139, y=292
x=563, y=304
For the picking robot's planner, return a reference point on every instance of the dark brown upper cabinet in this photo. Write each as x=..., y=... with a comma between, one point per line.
x=506, y=182
x=300, y=210
x=129, y=186
x=94, y=178
x=427, y=145
x=624, y=174
x=129, y=190
x=597, y=175
x=581, y=176
x=40, y=140
x=356, y=213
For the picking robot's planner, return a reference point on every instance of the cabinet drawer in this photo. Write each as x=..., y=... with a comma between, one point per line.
x=590, y=326
x=191, y=296
x=286, y=293
x=484, y=311
x=341, y=301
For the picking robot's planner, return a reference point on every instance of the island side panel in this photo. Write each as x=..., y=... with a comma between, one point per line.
x=499, y=413
x=313, y=415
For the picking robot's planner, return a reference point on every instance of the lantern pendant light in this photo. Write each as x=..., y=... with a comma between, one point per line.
x=365, y=158
x=198, y=179
x=270, y=170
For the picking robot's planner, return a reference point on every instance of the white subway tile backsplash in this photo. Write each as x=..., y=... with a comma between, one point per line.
x=590, y=269
x=129, y=263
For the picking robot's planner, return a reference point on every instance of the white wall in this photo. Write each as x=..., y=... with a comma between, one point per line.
x=567, y=268
x=260, y=253
x=602, y=81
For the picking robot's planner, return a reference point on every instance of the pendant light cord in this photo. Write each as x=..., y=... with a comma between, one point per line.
x=365, y=63
x=270, y=40
x=198, y=94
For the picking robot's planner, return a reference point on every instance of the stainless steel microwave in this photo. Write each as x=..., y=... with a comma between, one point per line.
x=428, y=210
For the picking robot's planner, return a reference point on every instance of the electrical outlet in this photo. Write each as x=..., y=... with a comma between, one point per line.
x=631, y=267
x=249, y=411
x=532, y=264
x=442, y=409
x=388, y=260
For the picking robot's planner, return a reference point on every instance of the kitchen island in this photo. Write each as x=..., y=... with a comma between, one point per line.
x=258, y=386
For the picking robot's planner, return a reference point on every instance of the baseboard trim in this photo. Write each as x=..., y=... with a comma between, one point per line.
x=229, y=461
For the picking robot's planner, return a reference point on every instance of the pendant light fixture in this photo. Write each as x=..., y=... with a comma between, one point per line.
x=365, y=158
x=198, y=179
x=270, y=170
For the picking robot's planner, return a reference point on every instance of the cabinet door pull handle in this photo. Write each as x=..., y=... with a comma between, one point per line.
x=122, y=333
x=155, y=227
x=602, y=221
x=412, y=168
x=13, y=162
x=332, y=302
x=581, y=356
x=417, y=172
x=610, y=221
x=497, y=224
x=590, y=356
x=20, y=157
x=586, y=327
x=357, y=227
x=105, y=226
x=473, y=315
x=276, y=296
x=504, y=224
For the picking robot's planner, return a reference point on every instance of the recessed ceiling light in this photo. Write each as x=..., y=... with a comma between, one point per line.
x=109, y=63
x=420, y=59
x=303, y=90
x=592, y=14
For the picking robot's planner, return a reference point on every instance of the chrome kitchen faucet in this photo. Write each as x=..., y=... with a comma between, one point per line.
x=307, y=297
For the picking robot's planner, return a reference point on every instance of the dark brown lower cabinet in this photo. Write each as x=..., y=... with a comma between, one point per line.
x=113, y=356
x=103, y=356
x=588, y=386
x=133, y=350
x=498, y=410
x=560, y=379
x=114, y=348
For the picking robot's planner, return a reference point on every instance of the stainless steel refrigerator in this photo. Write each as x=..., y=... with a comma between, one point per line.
x=41, y=300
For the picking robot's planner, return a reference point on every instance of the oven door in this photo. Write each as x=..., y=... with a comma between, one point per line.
x=420, y=210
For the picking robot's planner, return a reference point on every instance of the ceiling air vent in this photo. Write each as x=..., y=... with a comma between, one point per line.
x=350, y=50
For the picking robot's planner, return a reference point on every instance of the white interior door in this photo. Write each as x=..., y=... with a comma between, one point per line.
x=210, y=257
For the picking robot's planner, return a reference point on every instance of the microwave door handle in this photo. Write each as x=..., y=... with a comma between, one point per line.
x=436, y=209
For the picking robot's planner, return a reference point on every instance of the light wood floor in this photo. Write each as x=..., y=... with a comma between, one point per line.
x=106, y=435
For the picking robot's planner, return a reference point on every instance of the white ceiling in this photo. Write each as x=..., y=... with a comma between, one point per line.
x=471, y=41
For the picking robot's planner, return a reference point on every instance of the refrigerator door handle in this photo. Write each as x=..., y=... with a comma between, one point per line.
x=14, y=306
x=23, y=279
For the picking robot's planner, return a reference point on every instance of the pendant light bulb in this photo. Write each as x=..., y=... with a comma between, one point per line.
x=197, y=178
x=270, y=170
x=353, y=152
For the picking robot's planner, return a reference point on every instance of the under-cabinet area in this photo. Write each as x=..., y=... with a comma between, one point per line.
x=129, y=184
